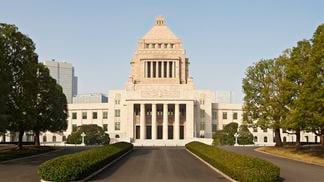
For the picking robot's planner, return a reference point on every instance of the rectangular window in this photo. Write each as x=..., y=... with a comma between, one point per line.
x=202, y=113
x=84, y=115
x=265, y=130
x=235, y=115
x=154, y=69
x=94, y=115
x=165, y=69
x=224, y=115
x=214, y=128
x=160, y=69
x=105, y=115
x=117, y=102
x=171, y=45
x=165, y=45
x=170, y=69
x=117, y=126
x=147, y=46
x=159, y=46
x=148, y=69
x=105, y=127
x=74, y=115
x=255, y=129
x=74, y=127
x=214, y=115
x=202, y=125
x=117, y=113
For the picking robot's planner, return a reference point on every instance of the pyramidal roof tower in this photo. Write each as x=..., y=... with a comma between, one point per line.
x=159, y=58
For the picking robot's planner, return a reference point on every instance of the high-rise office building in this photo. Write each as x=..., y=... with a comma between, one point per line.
x=64, y=74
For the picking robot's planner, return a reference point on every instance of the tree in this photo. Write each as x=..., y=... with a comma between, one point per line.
x=265, y=97
x=245, y=137
x=314, y=87
x=295, y=82
x=19, y=57
x=94, y=135
x=225, y=136
x=50, y=110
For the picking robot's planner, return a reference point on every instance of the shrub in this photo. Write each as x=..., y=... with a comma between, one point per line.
x=239, y=167
x=94, y=135
x=245, y=136
x=225, y=136
x=80, y=165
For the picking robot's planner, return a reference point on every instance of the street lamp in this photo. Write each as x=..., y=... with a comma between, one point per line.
x=236, y=136
x=83, y=135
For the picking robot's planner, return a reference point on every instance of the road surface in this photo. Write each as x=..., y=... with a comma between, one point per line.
x=159, y=165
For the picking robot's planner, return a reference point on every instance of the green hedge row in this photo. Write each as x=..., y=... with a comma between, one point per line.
x=239, y=167
x=80, y=165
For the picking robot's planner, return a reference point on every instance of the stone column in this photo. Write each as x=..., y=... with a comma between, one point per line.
x=142, y=122
x=176, y=122
x=154, y=127
x=189, y=121
x=165, y=121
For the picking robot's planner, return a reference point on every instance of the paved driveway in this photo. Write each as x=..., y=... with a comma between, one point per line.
x=159, y=165
x=290, y=170
x=25, y=170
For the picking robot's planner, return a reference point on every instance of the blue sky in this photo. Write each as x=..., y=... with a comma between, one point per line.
x=222, y=38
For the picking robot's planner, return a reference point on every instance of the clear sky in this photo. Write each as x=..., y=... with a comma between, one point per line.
x=222, y=38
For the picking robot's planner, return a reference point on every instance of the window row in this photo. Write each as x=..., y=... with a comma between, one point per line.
x=84, y=115
x=159, y=46
x=160, y=69
x=235, y=115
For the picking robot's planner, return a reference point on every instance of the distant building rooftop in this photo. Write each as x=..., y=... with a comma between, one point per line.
x=90, y=98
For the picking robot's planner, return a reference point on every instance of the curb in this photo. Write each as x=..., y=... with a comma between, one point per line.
x=101, y=169
x=212, y=167
x=31, y=156
x=277, y=155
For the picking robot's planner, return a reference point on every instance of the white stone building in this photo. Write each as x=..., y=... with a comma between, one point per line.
x=160, y=104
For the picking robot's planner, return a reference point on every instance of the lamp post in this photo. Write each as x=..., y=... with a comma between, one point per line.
x=236, y=135
x=83, y=135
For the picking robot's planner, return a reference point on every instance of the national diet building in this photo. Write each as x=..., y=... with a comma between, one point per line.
x=160, y=105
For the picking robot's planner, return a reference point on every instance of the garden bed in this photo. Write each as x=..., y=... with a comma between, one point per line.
x=78, y=166
x=14, y=153
x=239, y=167
x=309, y=154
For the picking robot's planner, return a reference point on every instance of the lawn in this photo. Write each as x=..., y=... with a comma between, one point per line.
x=310, y=154
x=13, y=152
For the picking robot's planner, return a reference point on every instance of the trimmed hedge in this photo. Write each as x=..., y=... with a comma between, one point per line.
x=239, y=167
x=77, y=166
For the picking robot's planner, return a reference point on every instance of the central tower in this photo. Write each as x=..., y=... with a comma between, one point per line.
x=159, y=58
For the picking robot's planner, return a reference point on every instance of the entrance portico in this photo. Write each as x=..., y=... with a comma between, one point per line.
x=162, y=121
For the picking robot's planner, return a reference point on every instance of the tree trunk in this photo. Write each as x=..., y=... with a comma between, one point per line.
x=298, y=144
x=278, y=137
x=4, y=138
x=36, y=138
x=322, y=137
x=20, y=139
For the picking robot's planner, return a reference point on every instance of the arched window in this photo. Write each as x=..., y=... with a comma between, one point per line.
x=255, y=139
x=117, y=136
x=265, y=139
x=44, y=138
